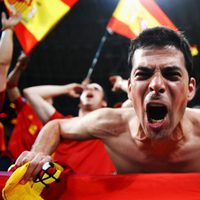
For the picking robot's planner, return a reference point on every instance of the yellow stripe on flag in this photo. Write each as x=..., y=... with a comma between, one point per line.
x=134, y=14
x=43, y=16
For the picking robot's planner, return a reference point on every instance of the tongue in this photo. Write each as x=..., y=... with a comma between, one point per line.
x=156, y=124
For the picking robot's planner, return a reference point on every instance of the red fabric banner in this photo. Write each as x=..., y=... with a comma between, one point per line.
x=25, y=131
x=164, y=186
x=158, y=186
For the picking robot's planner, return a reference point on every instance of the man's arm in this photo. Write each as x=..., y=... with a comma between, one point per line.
x=46, y=143
x=38, y=97
x=118, y=83
x=6, y=45
x=93, y=125
x=14, y=77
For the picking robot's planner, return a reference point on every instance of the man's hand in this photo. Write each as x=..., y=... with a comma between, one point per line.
x=36, y=160
x=85, y=82
x=74, y=90
x=116, y=83
x=9, y=23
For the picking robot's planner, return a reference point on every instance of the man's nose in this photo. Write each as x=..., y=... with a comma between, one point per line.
x=157, y=84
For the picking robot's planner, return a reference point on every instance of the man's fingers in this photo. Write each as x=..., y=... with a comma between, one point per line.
x=3, y=16
x=12, y=168
x=40, y=165
x=75, y=95
x=27, y=176
x=112, y=79
x=114, y=89
x=78, y=89
x=85, y=82
x=22, y=159
x=35, y=167
x=3, y=19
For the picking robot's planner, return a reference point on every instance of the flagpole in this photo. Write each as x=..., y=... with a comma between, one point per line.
x=96, y=57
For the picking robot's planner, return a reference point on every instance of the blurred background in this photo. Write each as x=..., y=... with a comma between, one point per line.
x=66, y=54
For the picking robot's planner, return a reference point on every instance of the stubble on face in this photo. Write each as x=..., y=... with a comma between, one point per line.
x=174, y=96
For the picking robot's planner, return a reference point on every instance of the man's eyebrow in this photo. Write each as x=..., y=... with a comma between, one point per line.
x=171, y=68
x=97, y=88
x=144, y=69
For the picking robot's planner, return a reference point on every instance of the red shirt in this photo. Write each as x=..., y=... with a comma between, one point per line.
x=26, y=129
x=84, y=157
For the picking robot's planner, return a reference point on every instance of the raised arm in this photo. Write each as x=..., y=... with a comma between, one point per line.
x=14, y=77
x=118, y=83
x=39, y=96
x=6, y=45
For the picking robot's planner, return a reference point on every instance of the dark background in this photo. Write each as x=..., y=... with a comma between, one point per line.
x=66, y=54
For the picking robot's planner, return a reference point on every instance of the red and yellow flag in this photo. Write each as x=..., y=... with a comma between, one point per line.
x=133, y=16
x=38, y=18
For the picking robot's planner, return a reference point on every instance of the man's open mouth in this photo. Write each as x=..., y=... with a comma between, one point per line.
x=156, y=113
x=89, y=95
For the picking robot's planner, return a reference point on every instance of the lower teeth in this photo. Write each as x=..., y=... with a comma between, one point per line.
x=156, y=121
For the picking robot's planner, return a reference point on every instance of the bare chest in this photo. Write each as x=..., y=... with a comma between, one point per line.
x=129, y=157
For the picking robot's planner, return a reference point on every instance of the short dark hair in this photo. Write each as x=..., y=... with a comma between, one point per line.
x=160, y=37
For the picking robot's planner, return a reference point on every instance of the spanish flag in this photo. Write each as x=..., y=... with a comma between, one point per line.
x=38, y=18
x=133, y=16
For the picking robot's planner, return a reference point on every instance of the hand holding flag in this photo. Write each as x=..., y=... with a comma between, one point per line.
x=11, y=21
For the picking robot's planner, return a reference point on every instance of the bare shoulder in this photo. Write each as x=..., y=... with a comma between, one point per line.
x=193, y=117
x=193, y=113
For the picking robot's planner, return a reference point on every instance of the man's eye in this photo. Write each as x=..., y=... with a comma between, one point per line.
x=172, y=76
x=96, y=88
x=142, y=75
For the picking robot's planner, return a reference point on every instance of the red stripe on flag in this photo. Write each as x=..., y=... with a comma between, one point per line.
x=70, y=3
x=26, y=38
x=156, y=12
x=120, y=28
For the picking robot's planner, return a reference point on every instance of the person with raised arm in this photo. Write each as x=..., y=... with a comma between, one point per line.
x=6, y=49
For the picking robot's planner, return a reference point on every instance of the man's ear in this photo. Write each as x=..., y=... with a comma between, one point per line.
x=192, y=88
x=129, y=89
